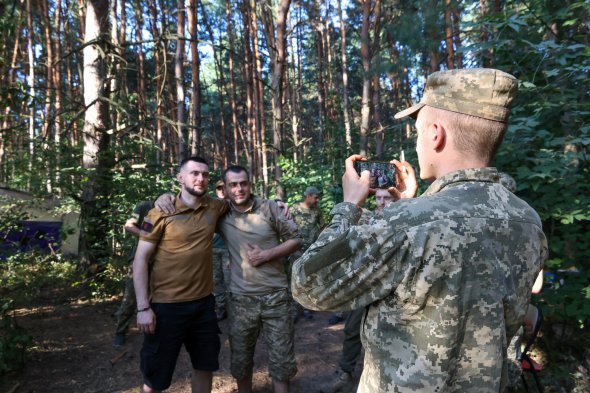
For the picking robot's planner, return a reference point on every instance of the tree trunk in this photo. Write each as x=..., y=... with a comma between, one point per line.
x=379, y=134
x=366, y=61
x=82, y=16
x=255, y=122
x=260, y=104
x=196, y=90
x=457, y=35
x=249, y=82
x=220, y=86
x=141, y=88
x=72, y=94
x=300, y=73
x=292, y=93
x=319, y=47
x=31, y=84
x=158, y=77
x=433, y=36
x=232, y=88
x=330, y=87
x=96, y=161
x=57, y=82
x=449, y=35
x=48, y=115
x=179, y=79
x=8, y=81
x=278, y=57
x=486, y=55
x=343, y=58
x=195, y=83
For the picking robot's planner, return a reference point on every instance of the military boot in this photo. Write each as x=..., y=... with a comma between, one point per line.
x=340, y=382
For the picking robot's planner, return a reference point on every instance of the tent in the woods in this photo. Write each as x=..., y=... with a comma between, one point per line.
x=45, y=227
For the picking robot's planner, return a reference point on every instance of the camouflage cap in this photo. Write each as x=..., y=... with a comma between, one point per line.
x=311, y=190
x=481, y=92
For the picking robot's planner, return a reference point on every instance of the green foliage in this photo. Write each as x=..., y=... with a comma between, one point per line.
x=12, y=214
x=547, y=144
x=24, y=275
x=297, y=176
x=14, y=340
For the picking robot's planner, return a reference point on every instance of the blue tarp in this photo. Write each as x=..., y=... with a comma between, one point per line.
x=33, y=235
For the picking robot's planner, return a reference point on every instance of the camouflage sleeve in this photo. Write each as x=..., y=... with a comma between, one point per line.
x=366, y=217
x=350, y=266
x=287, y=229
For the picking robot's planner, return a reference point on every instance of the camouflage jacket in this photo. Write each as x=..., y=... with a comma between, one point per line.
x=446, y=278
x=310, y=223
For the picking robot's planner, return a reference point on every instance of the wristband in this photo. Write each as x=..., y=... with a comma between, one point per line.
x=144, y=309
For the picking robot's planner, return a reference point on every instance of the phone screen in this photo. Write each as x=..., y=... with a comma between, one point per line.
x=382, y=173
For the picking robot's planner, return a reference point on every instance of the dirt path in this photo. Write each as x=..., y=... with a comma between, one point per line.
x=72, y=353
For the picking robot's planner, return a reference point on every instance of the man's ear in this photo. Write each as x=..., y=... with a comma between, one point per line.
x=439, y=136
x=179, y=177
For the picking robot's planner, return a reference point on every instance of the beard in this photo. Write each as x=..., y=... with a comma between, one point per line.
x=195, y=193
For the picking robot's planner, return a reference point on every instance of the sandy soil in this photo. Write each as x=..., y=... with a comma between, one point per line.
x=73, y=353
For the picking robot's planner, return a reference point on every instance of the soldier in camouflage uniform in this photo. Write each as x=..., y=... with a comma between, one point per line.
x=126, y=312
x=447, y=276
x=221, y=274
x=310, y=222
x=259, y=239
x=308, y=217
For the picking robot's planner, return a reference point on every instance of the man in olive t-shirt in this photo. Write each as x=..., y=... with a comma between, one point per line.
x=258, y=238
x=173, y=279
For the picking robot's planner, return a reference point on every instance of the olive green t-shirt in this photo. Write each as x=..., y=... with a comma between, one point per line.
x=264, y=225
x=181, y=268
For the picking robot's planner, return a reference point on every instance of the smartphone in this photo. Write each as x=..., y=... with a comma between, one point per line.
x=382, y=173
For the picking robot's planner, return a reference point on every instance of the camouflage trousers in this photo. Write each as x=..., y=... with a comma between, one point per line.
x=221, y=276
x=253, y=315
x=126, y=312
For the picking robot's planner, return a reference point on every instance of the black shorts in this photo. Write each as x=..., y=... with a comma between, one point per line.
x=193, y=324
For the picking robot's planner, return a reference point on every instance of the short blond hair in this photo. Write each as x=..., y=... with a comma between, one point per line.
x=472, y=135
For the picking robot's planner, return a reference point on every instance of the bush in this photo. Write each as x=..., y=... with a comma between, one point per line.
x=14, y=340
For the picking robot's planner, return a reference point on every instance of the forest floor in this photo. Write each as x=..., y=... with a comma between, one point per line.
x=72, y=352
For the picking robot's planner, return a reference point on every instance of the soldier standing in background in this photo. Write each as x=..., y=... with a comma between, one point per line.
x=446, y=276
x=310, y=221
x=126, y=312
x=221, y=273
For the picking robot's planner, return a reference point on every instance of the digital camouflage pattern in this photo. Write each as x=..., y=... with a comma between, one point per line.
x=310, y=223
x=221, y=276
x=269, y=315
x=481, y=92
x=447, y=278
x=508, y=181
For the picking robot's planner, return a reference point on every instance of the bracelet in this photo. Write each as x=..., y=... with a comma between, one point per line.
x=144, y=309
